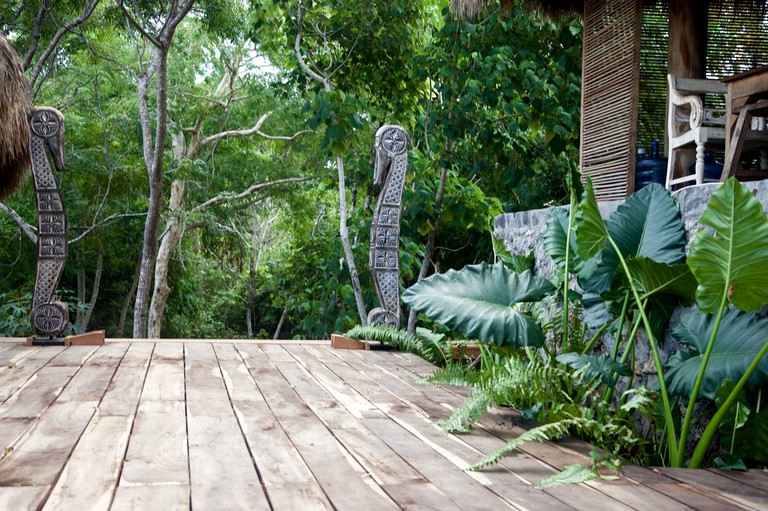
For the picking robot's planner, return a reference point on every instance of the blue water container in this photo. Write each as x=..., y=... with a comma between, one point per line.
x=713, y=169
x=651, y=169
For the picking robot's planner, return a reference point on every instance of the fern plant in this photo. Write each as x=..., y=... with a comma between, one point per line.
x=597, y=425
x=434, y=348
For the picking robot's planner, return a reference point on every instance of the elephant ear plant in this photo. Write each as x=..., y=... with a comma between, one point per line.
x=632, y=271
x=724, y=343
x=728, y=261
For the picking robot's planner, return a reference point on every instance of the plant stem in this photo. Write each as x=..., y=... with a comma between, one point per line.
x=631, y=343
x=709, y=433
x=594, y=338
x=686, y=428
x=623, y=359
x=566, y=273
x=620, y=327
x=671, y=440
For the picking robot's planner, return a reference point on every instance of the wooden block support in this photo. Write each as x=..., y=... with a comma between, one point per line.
x=340, y=342
x=471, y=350
x=95, y=338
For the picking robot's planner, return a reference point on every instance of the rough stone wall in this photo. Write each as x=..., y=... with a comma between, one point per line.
x=523, y=232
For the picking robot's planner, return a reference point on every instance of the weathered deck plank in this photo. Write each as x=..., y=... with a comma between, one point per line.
x=89, y=479
x=285, y=426
x=218, y=455
x=341, y=477
x=287, y=479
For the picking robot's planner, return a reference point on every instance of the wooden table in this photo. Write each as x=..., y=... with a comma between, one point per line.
x=747, y=96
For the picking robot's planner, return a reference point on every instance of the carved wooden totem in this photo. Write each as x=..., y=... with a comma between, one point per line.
x=391, y=146
x=49, y=317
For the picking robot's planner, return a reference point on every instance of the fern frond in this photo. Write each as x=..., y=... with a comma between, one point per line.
x=453, y=374
x=428, y=348
x=571, y=474
x=474, y=408
x=382, y=333
x=537, y=434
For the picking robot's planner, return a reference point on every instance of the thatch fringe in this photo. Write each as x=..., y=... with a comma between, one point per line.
x=467, y=9
x=14, y=129
x=558, y=8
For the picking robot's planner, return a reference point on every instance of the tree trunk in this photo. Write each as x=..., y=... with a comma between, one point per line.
x=80, y=289
x=154, y=209
x=153, y=143
x=687, y=54
x=252, y=267
x=280, y=323
x=325, y=81
x=170, y=241
x=128, y=300
x=85, y=318
x=429, y=250
x=344, y=233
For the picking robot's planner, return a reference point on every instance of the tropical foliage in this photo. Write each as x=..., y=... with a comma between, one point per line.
x=632, y=271
x=246, y=184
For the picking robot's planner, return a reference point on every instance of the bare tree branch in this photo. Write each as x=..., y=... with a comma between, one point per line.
x=36, y=33
x=26, y=228
x=103, y=223
x=255, y=130
x=227, y=197
x=88, y=9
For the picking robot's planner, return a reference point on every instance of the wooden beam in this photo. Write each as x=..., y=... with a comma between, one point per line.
x=687, y=53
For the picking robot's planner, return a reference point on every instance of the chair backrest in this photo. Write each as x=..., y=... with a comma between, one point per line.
x=686, y=104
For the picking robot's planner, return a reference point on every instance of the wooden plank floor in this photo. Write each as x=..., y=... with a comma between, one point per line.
x=286, y=426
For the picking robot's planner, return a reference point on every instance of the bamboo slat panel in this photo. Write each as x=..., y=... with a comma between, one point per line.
x=610, y=82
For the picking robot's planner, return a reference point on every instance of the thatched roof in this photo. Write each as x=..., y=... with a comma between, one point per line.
x=471, y=8
x=556, y=8
x=14, y=129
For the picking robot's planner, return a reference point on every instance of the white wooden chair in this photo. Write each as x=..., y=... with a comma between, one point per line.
x=690, y=125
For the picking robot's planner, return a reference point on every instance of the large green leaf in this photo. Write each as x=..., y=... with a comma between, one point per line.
x=753, y=439
x=477, y=301
x=591, y=232
x=739, y=339
x=556, y=241
x=648, y=225
x=653, y=278
x=519, y=263
x=733, y=259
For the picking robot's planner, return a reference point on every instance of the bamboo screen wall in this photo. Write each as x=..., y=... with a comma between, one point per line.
x=610, y=78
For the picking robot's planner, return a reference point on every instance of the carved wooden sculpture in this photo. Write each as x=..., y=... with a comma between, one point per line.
x=49, y=317
x=391, y=146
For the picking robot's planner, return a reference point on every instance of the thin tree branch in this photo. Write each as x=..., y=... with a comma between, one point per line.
x=138, y=26
x=26, y=228
x=227, y=197
x=297, y=51
x=255, y=130
x=103, y=223
x=88, y=9
x=36, y=33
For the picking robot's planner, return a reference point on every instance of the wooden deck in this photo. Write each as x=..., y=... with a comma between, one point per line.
x=289, y=426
